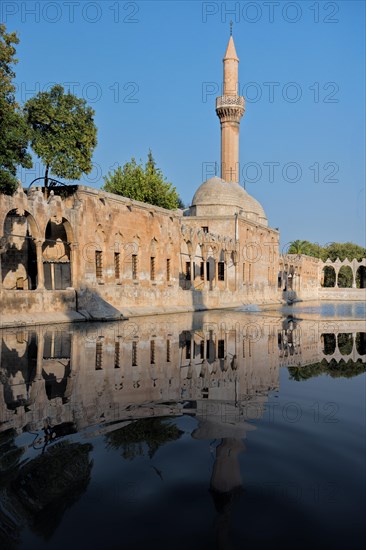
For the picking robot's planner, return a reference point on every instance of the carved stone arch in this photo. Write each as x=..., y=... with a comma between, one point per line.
x=118, y=242
x=33, y=225
x=21, y=252
x=169, y=247
x=100, y=238
x=153, y=247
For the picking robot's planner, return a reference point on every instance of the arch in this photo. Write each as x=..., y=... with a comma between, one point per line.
x=69, y=231
x=329, y=343
x=186, y=262
x=361, y=277
x=153, y=246
x=345, y=343
x=361, y=343
x=18, y=265
x=33, y=225
x=56, y=254
x=328, y=276
x=345, y=277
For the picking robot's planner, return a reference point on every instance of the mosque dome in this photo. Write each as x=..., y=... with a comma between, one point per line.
x=216, y=197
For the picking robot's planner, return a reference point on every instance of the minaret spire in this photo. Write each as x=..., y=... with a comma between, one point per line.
x=230, y=108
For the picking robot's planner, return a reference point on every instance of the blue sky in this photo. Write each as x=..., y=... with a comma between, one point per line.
x=151, y=70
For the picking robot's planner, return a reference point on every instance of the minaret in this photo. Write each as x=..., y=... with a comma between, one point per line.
x=230, y=108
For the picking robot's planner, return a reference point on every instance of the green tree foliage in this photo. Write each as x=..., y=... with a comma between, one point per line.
x=14, y=135
x=305, y=247
x=332, y=251
x=63, y=133
x=333, y=369
x=143, y=183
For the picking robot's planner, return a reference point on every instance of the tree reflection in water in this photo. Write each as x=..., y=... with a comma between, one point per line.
x=41, y=490
x=152, y=432
x=335, y=369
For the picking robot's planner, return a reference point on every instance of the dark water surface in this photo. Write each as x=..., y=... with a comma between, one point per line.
x=219, y=430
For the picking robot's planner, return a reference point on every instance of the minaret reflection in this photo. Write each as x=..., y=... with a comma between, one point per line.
x=225, y=487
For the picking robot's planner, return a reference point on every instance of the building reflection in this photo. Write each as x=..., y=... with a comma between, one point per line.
x=200, y=364
x=219, y=367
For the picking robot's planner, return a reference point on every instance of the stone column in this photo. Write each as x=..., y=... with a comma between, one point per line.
x=204, y=272
x=336, y=281
x=353, y=277
x=40, y=347
x=40, y=272
x=226, y=271
x=3, y=242
x=52, y=270
x=73, y=266
x=236, y=264
x=191, y=260
x=192, y=349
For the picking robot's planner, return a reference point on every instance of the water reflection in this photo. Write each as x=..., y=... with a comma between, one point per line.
x=126, y=381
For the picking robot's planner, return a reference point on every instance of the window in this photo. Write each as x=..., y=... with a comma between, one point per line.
x=204, y=229
x=221, y=271
x=168, y=269
x=188, y=349
x=152, y=352
x=202, y=349
x=134, y=266
x=279, y=279
x=202, y=271
x=116, y=355
x=152, y=268
x=99, y=356
x=99, y=264
x=250, y=273
x=221, y=349
x=208, y=271
x=134, y=354
x=188, y=271
x=117, y=270
x=168, y=351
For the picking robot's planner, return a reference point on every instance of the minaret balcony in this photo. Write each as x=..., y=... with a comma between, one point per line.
x=230, y=107
x=230, y=101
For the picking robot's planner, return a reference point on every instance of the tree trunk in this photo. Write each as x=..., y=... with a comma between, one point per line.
x=46, y=176
x=46, y=182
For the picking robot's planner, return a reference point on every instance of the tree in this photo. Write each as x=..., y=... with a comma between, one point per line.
x=143, y=183
x=14, y=135
x=63, y=133
x=305, y=247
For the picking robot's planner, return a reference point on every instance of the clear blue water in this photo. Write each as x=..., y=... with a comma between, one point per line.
x=349, y=310
x=198, y=451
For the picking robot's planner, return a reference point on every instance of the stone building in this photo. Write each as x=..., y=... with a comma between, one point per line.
x=78, y=252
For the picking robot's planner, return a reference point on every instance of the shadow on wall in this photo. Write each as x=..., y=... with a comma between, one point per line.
x=94, y=308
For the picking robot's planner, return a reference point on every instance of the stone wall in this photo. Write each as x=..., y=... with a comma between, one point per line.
x=126, y=257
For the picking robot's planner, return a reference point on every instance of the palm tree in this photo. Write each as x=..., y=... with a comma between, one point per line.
x=298, y=247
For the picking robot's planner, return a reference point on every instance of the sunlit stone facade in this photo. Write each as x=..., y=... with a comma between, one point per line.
x=77, y=253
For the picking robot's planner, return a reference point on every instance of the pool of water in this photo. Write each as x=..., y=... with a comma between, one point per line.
x=349, y=310
x=211, y=430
